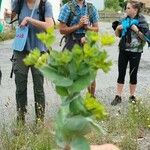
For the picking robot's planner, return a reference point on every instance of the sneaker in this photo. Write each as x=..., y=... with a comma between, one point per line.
x=132, y=99
x=116, y=101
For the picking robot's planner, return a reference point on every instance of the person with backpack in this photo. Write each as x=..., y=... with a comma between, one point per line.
x=39, y=22
x=131, y=30
x=76, y=17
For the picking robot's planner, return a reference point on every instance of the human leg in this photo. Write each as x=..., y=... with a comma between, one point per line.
x=122, y=66
x=91, y=88
x=134, y=65
x=38, y=81
x=21, y=74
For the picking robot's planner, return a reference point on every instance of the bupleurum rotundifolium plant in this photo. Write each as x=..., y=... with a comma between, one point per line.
x=72, y=72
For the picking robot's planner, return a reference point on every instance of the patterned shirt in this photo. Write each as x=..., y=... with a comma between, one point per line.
x=79, y=11
x=136, y=44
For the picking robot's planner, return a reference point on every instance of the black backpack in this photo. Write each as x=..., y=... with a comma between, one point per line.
x=41, y=10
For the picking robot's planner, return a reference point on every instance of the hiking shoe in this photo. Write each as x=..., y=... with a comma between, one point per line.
x=116, y=101
x=132, y=99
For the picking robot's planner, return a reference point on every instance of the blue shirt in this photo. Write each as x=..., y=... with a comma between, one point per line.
x=65, y=13
x=32, y=40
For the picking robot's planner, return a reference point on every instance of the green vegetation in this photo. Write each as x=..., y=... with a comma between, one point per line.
x=114, y=5
x=123, y=129
x=72, y=72
x=25, y=138
x=6, y=35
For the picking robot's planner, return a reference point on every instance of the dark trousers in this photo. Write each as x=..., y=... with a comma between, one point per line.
x=71, y=40
x=21, y=76
x=134, y=59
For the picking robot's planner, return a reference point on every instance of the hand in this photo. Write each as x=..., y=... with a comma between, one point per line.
x=134, y=28
x=85, y=20
x=7, y=13
x=24, y=21
x=83, y=40
x=137, y=31
x=119, y=27
x=81, y=22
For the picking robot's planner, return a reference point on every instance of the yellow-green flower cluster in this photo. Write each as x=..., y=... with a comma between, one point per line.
x=35, y=58
x=42, y=60
x=107, y=39
x=95, y=107
x=32, y=58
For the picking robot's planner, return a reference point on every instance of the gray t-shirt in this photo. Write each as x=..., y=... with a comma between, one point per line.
x=32, y=40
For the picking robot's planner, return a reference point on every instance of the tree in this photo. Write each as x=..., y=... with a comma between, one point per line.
x=112, y=4
x=121, y=3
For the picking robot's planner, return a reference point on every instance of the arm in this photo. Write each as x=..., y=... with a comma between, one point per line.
x=37, y=23
x=118, y=30
x=137, y=31
x=64, y=29
x=41, y=24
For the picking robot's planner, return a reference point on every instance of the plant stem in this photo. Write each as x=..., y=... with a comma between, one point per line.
x=67, y=147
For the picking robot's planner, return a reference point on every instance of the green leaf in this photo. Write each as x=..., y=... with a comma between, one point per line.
x=61, y=91
x=96, y=126
x=77, y=107
x=83, y=69
x=78, y=124
x=58, y=80
x=82, y=83
x=73, y=70
x=62, y=135
x=47, y=37
x=80, y=144
x=70, y=98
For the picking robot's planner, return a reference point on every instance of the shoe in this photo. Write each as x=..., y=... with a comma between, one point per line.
x=116, y=101
x=132, y=99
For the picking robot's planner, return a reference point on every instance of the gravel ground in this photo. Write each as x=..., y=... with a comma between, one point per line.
x=105, y=89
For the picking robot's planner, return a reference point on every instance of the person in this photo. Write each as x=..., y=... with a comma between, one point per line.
x=36, y=25
x=131, y=30
x=76, y=17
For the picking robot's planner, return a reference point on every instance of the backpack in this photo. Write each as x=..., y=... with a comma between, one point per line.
x=73, y=13
x=41, y=10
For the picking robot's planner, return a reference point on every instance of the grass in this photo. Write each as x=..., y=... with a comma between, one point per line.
x=9, y=34
x=30, y=137
x=123, y=130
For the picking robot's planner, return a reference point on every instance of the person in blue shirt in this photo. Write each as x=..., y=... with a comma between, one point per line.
x=36, y=25
x=76, y=17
